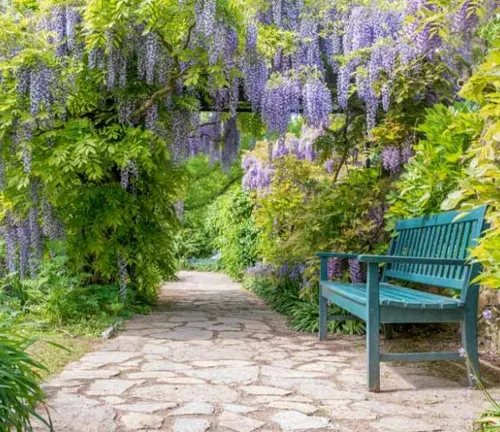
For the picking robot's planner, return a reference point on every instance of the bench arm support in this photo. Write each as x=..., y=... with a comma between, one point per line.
x=413, y=260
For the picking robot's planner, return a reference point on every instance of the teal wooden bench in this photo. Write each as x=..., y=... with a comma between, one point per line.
x=431, y=250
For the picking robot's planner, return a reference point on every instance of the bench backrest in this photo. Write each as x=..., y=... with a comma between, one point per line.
x=442, y=235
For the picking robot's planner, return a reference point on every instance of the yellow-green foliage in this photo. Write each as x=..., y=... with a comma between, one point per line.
x=439, y=162
x=305, y=211
x=482, y=182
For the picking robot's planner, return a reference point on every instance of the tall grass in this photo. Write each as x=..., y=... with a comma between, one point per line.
x=20, y=392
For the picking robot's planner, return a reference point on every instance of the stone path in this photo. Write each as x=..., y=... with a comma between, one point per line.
x=219, y=360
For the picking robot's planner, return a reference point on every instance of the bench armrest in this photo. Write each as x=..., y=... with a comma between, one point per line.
x=411, y=260
x=336, y=255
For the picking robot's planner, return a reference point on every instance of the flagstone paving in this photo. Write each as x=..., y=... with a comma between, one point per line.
x=218, y=359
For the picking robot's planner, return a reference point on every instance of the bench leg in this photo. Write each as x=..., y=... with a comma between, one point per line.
x=373, y=354
x=323, y=316
x=372, y=329
x=468, y=329
x=388, y=331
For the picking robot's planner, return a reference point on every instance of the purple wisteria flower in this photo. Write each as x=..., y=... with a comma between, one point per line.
x=487, y=314
x=317, y=102
x=257, y=174
x=329, y=166
x=391, y=159
x=335, y=268
x=356, y=271
x=279, y=149
x=260, y=270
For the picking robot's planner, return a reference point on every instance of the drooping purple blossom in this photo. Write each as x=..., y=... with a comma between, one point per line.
x=308, y=53
x=335, y=268
x=40, y=84
x=280, y=100
x=257, y=173
x=344, y=81
x=11, y=241
x=73, y=18
x=23, y=75
x=231, y=144
x=151, y=118
x=122, y=278
x=391, y=159
x=317, y=102
x=152, y=48
x=329, y=166
x=277, y=12
x=96, y=58
x=58, y=24
x=407, y=152
x=356, y=271
x=251, y=38
x=179, y=208
x=23, y=235
x=279, y=149
x=255, y=71
x=209, y=10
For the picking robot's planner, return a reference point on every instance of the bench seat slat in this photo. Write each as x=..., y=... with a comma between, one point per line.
x=393, y=295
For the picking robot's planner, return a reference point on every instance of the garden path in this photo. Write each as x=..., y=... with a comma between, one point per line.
x=215, y=358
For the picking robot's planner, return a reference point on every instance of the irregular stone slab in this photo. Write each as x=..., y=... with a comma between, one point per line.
x=81, y=418
x=319, y=390
x=216, y=363
x=180, y=380
x=76, y=413
x=191, y=425
x=238, y=409
x=186, y=393
x=265, y=390
x=81, y=374
x=103, y=358
x=164, y=365
x=406, y=424
x=294, y=406
x=111, y=387
x=227, y=375
x=265, y=399
x=289, y=373
x=239, y=423
x=184, y=334
x=150, y=375
x=296, y=421
x=329, y=368
x=145, y=407
x=136, y=421
x=65, y=400
x=342, y=411
x=156, y=349
x=58, y=382
x=113, y=400
x=188, y=353
x=194, y=408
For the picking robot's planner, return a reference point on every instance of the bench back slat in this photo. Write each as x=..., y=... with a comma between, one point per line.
x=444, y=235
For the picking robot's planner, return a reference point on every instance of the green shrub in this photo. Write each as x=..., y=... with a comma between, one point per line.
x=59, y=298
x=19, y=390
x=284, y=296
x=439, y=162
x=234, y=232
